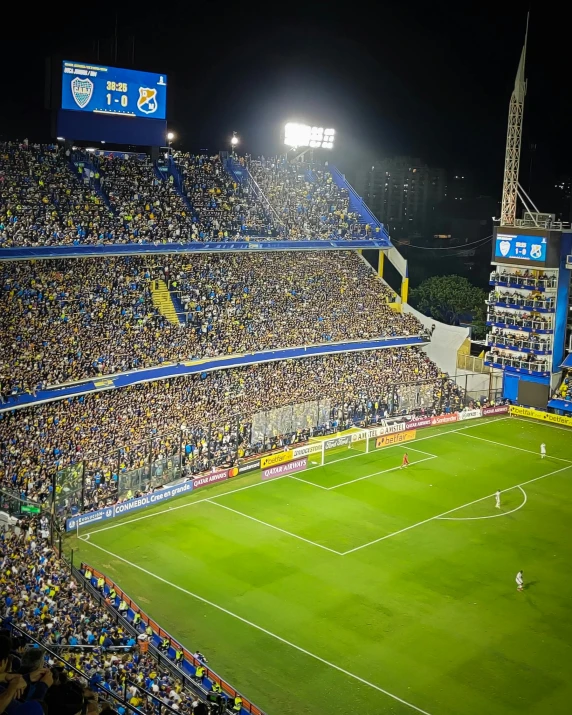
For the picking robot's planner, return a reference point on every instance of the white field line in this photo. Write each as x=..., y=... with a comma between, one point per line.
x=512, y=446
x=261, y=483
x=271, y=526
x=406, y=447
x=450, y=511
x=265, y=631
x=492, y=516
x=299, y=479
x=383, y=471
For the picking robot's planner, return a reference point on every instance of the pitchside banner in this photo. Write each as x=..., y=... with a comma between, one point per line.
x=214, y=477
x=498, y=410
x=307, y=449
x=161, y=495
x=540, y=415
x=388, y=440
x=470, y=414
x=276, y=458
x=281, y=470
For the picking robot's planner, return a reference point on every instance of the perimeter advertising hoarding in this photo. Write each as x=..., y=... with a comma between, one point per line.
x=249, y=467
x=498, y=410
x=126, y=507
x=276, y=458
x=540, y=415
x=281, y=470
x=389, y=440
x=214, y=477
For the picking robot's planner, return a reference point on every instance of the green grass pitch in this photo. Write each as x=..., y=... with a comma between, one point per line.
x=392, y=593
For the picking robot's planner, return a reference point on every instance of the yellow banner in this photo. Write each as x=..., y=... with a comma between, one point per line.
x=397, y=438
x=278, y=458
x=539, y=415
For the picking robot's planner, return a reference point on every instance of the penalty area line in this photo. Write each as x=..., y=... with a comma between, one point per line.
x=276, y=637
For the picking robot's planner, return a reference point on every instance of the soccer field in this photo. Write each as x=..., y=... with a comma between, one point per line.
x=369, y=589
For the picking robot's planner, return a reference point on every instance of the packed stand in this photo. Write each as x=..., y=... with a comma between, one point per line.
x=41, y=597
x=307, y=201
x=147, y=204
x=67, y=320
x=113, y=432
x=43, y=203
x=564, y=391
x=222, y=209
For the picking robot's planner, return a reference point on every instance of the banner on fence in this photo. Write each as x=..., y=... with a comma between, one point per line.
x=539, y=415
x=126, y=507
x=470, y=414
x=281, y=470
x=307, y=449
x=337, y=442
x=210, y=478
x=249, y=467
x=418, y=422
x=445, y=419
x=388, y=440
x=276, y=458
x=498, y=410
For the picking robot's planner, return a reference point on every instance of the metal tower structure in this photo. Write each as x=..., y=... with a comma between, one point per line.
x=513, y=143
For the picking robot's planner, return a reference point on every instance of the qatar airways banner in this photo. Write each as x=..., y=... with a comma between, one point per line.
x=418, y=422
x=147, y=500
x=214, y=477
x=498, y=410
x=282, y=470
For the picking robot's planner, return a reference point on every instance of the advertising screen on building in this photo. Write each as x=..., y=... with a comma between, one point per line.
x=110, y=90
x=520, y=247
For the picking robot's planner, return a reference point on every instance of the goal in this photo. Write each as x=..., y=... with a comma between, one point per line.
x=334, y=449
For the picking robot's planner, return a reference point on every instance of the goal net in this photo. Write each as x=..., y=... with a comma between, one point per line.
x=334, y=449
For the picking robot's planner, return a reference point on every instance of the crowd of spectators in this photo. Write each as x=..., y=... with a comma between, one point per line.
x=307, y=201
x=531, y=299
x=564, y=391
x=145, y=202
x=536, y=321
x=112, y=432
x=43, y=203
x=41, y=597
x=67, y=320
x=52, y=195
x=529, y=278
x=222, y=209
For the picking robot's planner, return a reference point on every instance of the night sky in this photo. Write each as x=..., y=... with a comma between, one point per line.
x=432, y=80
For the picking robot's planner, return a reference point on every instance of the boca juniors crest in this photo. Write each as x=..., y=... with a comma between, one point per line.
x=147, y=102
x=82, y=90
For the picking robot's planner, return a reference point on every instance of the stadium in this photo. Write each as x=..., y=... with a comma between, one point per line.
x=239, y=472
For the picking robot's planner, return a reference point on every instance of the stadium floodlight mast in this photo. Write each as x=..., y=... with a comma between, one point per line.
x=308, y=138
x=170, y=137
x=234, y=140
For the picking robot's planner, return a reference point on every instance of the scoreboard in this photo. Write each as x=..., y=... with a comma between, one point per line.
x=110, y=90
x=521, y=246
x=98, y=103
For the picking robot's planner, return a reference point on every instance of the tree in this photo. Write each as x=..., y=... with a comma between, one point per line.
x=451, y=300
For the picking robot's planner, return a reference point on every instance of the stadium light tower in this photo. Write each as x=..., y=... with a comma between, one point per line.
x=234, y=140
x=308, y=138
x=170, y=137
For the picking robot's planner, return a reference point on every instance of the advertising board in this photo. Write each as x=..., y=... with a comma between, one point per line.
x=540, y=415
x=281, y=470
x=498, y=410
x=389, y=440
x=277, y=458
x=142, y=502
x=213, y=478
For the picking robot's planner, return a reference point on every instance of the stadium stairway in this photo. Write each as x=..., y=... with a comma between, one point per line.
x=163, y=301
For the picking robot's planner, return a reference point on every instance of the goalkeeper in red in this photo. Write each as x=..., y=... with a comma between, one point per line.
x=404, y=461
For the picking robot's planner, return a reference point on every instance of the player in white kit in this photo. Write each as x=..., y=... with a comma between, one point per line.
x=497, y=498
x=519, y=581
x=542, y=451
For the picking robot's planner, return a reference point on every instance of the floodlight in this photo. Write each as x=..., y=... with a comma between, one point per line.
x=234, y=141
x=301, y=135
x=170, y=136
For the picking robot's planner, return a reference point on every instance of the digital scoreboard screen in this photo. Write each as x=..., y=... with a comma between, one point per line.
x=113, y=91
x=521, y=247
